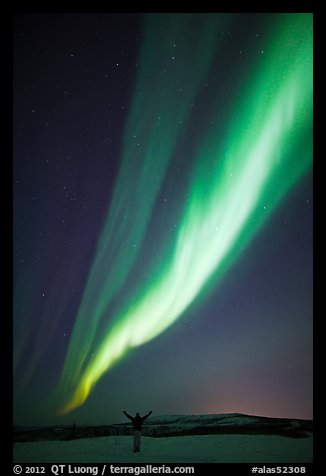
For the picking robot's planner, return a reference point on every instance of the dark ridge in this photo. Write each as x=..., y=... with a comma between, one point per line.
x=171, y=426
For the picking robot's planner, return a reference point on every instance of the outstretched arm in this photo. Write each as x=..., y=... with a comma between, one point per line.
x=147, y=415
x=128, y=416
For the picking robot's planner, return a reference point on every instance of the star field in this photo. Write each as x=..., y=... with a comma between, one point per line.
x=162, y=215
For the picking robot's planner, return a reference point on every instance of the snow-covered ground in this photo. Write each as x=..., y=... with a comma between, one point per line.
x=222, y=448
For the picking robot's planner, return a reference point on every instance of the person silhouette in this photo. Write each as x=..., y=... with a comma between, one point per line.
x=137, y=421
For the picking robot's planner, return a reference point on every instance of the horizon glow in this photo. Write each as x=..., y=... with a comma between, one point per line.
x=235, y=183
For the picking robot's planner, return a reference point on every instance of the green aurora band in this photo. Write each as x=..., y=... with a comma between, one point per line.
x=234, y=184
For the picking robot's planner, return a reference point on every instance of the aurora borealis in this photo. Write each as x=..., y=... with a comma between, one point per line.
x=213, y=135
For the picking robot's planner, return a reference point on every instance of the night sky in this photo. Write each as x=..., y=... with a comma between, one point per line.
x=162, y=221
